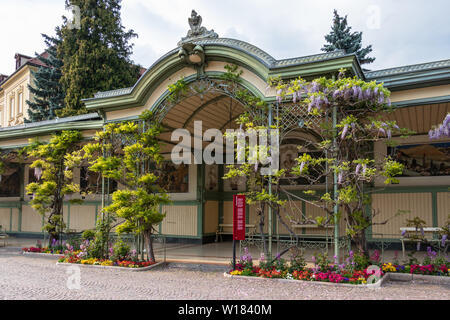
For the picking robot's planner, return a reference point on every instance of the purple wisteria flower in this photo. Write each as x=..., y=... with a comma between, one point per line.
x=443, y=240
x=344, y=131
x=38, y=173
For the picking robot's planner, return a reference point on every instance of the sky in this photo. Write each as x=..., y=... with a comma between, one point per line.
x=402, y=32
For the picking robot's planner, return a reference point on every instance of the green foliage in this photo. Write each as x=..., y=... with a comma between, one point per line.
x=95, y=57
x=128, y=152
x=177, y=90
x=361, y=261
x=88, y=235
x=54, y=164
x=297, y=262
x=121, y=250
x=341, y=37
x=48, y=95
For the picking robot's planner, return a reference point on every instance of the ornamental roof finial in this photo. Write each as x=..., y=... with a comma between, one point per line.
x=197, y=31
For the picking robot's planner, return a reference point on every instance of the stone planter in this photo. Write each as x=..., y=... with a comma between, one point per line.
x=418, y=277
x=43, y=255
x=158, y=264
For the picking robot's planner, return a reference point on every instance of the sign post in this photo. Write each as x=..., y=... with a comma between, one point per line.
x=238, y=222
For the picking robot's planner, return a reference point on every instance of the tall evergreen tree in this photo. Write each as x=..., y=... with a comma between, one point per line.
x=48, y=95
x=96, y=56
x=340, y=37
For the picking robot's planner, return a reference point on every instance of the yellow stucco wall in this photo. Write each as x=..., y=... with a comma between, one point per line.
x=211, y=218
x=420, y=93
x=15, y=85
x=180, y=220
x=386, y=207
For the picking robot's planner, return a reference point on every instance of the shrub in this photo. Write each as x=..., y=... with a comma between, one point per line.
x=121, y=250
x=88, y=235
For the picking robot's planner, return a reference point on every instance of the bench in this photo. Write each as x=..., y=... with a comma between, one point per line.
x=430, y=234
x=313, y=227
x=3, y=236
x=228, y=230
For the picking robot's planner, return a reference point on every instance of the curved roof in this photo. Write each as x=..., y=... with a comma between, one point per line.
x=239, y=52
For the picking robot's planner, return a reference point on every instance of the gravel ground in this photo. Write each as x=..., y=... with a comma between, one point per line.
x=30, y=278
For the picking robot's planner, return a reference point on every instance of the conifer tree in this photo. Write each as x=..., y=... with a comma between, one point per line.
x=96, y=56
x=47, y=92
x=341, y=38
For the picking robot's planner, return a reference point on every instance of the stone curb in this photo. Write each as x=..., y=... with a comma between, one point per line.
x=419, y=277
x=42, y=255
x=162, y=263
x=375, y=285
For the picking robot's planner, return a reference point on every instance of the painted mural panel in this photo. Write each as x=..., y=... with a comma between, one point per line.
x=423, y=159
x=10, y=181
x=173, y=178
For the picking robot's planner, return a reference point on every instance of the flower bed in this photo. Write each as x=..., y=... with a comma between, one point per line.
x=310, y=274
x=442, y=270
x=356, y=270
x=43, y=250
x=119, y=256
x=107, y=262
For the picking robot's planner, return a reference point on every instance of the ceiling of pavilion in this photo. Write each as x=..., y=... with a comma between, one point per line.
x=215, y=110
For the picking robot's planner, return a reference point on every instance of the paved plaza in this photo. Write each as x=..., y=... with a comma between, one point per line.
x=28, y=278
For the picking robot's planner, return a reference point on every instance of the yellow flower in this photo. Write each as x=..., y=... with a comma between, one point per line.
x=236, y=273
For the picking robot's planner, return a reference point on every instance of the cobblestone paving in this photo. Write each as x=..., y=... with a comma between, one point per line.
x=23, y=277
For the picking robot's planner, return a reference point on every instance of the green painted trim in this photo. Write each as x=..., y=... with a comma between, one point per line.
x=182, y=237
x=418, y=102
x=10, y=204
x=185, y=203
x=171, y=63
x=19, y=222
x=49, y=129
x=413, y=189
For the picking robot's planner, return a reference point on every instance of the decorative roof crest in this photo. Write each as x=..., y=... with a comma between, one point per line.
x=197, y=32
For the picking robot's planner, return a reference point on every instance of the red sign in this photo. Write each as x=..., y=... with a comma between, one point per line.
x=238, y=217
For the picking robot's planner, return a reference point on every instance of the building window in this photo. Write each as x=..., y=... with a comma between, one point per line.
x=1, y=117
x=20, y=103
x=91, y=182
x=289, y=152
x=422, y=160
x=10, y=182
x=12, y=104
x=173, y=178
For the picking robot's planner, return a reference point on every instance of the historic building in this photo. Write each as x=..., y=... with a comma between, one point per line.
x=202, y=201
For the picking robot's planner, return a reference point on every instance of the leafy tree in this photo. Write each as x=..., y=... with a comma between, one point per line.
x=341, y=37
x=48, y=96
x=96, y=57
x=53, y=167
x=127, y=153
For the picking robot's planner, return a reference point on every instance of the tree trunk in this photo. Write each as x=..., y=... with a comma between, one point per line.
x=149, y=244
x=261, y=229
x=361, y=243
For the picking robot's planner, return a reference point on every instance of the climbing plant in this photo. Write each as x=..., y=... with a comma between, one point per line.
x=54, y=163
x=360, y=110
